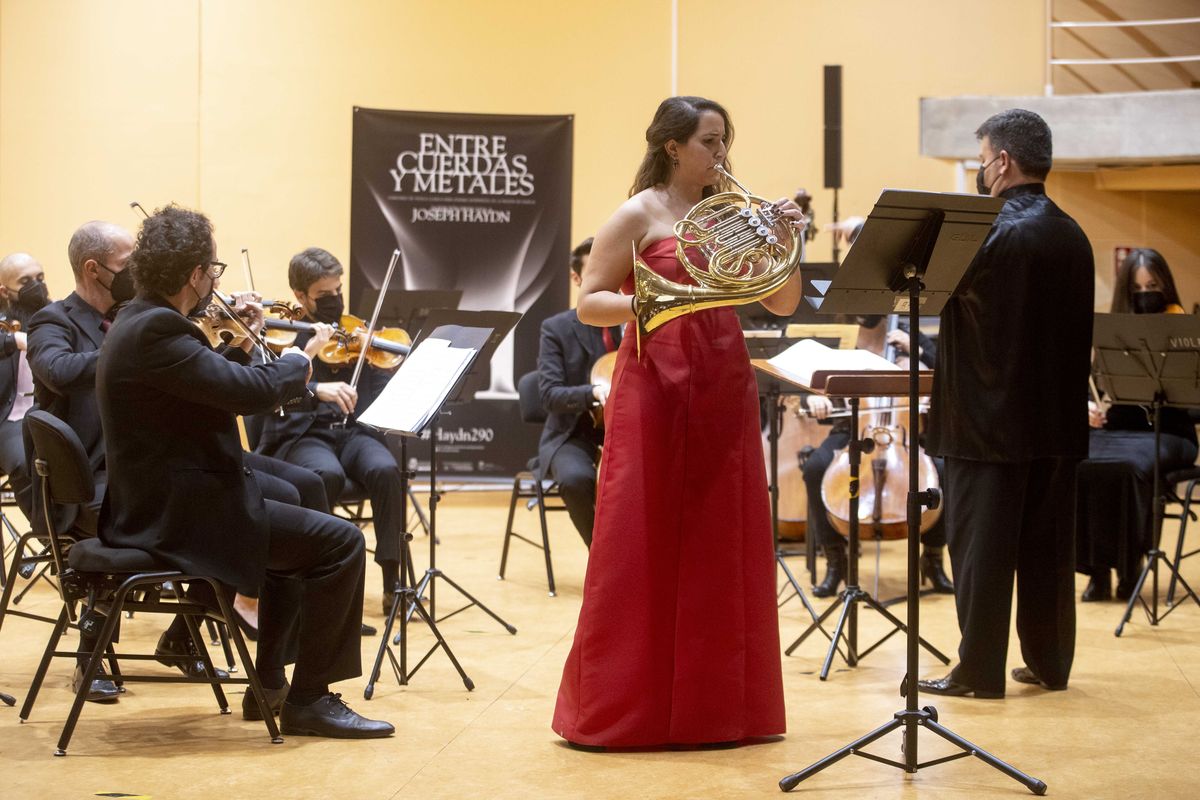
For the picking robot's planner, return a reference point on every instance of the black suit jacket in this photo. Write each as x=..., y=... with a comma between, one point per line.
x=64, y=346
x=565, y=357
x=177, y=486
x=10, y=360
x=1014, y=347
x=279, y=433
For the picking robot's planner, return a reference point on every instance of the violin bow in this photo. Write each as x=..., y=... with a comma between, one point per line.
x=362, y=353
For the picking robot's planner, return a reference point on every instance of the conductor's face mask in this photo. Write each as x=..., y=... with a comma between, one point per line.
x=1148, y=302
x=981, y=185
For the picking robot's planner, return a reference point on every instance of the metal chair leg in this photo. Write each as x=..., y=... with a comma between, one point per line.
x=508, y=529
x=541, y=504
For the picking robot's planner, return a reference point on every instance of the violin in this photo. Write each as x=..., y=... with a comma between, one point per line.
x=10, y=325
x=387, y=348
x=222, y=324
x=281, y=323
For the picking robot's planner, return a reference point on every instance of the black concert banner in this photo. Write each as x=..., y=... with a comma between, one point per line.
x=479, y=203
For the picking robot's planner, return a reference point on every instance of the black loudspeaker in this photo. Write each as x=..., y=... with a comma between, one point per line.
x=833, y=126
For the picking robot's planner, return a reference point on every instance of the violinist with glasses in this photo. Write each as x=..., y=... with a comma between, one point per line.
x=320, y=433
x=178, y=487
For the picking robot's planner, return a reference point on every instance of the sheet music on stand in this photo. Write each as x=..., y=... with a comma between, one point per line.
x=416, y=393
x=801, y=363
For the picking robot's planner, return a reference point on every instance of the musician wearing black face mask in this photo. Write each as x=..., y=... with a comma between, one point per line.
x=65, y=336
x=23, y=292
x=1114, y=507
x=1008, y=415
x=318, y=437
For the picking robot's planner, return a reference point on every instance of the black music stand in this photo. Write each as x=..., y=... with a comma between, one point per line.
x=1150, y=359
x=910, y=257
x=480, y=331
x=773, y=387
x=853, y=386
x=409, y=308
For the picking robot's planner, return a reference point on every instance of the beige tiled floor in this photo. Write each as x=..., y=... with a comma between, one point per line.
x=1126, y=728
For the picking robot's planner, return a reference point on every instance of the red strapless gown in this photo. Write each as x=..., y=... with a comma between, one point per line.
x=678, y=638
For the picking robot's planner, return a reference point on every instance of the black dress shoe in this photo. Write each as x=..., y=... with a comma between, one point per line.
x=948, y=687
x=274, y=698
x=1026, y=675
x=330, y=717
x=103, y=690
x=192, y=668
x=1125, y=589
x=368, y=630
x=1099, y=589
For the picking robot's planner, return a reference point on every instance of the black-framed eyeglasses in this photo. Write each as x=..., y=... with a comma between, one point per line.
x=216, y=269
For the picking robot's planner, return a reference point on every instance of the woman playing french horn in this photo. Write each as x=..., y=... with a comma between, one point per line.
x=677, y=640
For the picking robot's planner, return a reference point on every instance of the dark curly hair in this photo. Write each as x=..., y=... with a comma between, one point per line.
x=172, y=242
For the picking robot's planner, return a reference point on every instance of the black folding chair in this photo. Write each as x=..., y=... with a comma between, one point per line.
x=530, y=485
x=109, y=580
x=1191, y=477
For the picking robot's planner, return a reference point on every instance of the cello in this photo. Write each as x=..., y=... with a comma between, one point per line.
x=883, y=488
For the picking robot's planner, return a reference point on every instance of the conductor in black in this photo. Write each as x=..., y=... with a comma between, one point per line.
x=1009, y=415
x=178, y=487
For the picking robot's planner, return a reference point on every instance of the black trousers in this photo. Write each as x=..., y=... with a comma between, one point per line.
x=815, y=466
x=574, y=469
x=335, y=453
x=288, y=483
x=13, y=464
x=1006, y=518
x=310, y=608
x=321, y=559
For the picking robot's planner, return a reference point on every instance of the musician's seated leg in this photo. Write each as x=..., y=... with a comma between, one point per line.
x=316, y=451
x=933, y=542
x=369, y=462
x=309, y=486
x=325, y=555
x=826, y=537
x=574, y=469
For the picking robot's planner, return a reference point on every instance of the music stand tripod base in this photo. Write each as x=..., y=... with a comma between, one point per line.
x=405, y=602
x=847, y=624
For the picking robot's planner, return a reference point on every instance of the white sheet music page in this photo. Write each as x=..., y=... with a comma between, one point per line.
x=807, y=356
x=418, y=389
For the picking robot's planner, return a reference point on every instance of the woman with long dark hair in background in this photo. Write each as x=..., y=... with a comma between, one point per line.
x=1115, y=485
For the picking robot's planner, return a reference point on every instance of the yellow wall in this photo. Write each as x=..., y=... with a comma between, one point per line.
x=243, y=107
x=1169, y=222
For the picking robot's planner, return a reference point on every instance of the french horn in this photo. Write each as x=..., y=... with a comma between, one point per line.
x=737, y=246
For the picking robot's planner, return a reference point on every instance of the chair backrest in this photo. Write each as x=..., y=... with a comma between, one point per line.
x=530, y=398
x=68, y=477
x=66, y=474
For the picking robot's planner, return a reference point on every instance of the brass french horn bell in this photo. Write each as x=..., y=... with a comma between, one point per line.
x=738, y=247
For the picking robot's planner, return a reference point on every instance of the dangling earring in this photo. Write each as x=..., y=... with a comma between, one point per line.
x=675, y=163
